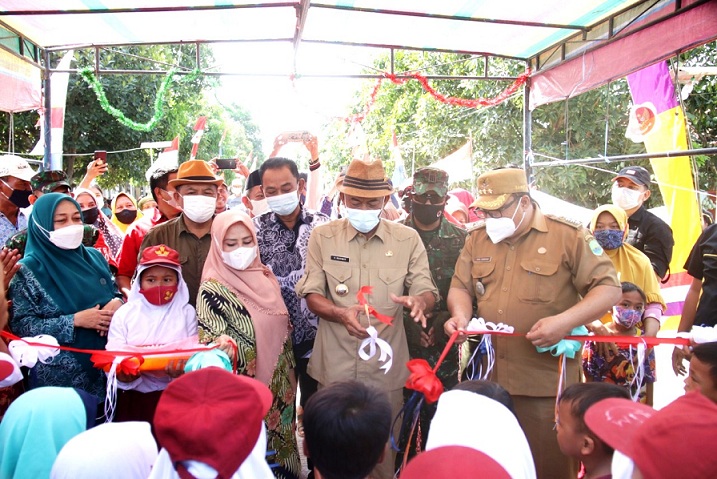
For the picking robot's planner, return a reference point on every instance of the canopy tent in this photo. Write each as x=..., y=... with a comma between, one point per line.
x=545, y=34
x=569, y=46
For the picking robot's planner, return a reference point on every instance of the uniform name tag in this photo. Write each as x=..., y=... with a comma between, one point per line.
x=484, y=259
x=343, y=259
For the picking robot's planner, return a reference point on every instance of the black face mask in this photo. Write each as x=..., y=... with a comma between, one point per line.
x=19, y=198
x=89, y=216
x=126, y=216
x=426, y=214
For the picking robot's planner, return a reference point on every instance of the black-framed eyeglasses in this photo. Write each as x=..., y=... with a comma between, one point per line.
x=428, y=198
x=499, y=212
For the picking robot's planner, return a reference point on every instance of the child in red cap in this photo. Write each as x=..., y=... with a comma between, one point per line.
x=157, y=313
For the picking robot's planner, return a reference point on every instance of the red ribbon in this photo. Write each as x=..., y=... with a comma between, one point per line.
x=129, y=365
x=450, y=100
x=424, y=379
x=384, y=318
x=12, y=337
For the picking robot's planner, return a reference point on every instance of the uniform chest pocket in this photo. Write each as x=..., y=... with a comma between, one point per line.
x=340, y=275
x=538, y=281
x=484, y=281
x=391, y=280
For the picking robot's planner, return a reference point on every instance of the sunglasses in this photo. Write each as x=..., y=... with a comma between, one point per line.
x=428, y=198
x=499, y=212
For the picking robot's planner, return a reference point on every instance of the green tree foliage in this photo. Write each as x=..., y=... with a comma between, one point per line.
x=701, y=112
x=88, y=127
x=588, y=126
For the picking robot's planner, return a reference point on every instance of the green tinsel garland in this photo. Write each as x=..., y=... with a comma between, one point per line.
x=88, y=75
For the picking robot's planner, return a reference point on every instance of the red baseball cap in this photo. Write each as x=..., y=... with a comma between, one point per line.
x=456, y=462
x=160, y=255
x=675, y=441
x=211, y=416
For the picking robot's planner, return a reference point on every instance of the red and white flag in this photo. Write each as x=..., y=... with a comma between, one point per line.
x=199, y=132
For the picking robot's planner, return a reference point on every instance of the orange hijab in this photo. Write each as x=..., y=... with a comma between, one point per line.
x=257, y=288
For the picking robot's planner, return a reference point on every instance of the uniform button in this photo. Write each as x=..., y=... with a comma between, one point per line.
x=512, y=248
x=505, y=289
x=537, y=269
x=508, y=268
x=500, y=311
x=365, y=246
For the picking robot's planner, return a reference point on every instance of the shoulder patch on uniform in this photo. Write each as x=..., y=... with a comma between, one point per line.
x=476, y=226
x=567, y=221
x=594, y=245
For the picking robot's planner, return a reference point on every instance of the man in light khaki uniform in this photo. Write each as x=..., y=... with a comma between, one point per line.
x=530, y=271
x=365, y=250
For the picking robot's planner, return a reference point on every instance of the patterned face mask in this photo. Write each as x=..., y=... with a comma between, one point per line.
x=627, y=318
x=609, y=239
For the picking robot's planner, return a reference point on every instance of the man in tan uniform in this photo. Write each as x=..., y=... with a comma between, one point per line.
x=365, y=250
x=542, y=275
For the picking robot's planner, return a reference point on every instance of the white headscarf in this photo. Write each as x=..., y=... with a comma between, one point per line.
x=141, y=323
x=465, y=418
x=118, y=450
x=253, y=467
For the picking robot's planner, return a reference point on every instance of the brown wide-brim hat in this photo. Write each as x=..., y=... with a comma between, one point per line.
x=195, y=171
x=496, y=186
x=366, y=180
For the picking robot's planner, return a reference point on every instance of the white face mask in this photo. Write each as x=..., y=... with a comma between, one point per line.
x=199, y=208
x=259, y=207
x=284, y=204
x=363, y=220
x=625, y=198
x=69, y=237
x=239, y=258
x=499, y=229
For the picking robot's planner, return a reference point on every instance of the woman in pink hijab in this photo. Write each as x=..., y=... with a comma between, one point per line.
x=467, y=199
x=240, y=298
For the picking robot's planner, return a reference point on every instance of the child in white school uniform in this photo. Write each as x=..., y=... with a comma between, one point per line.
x=157, y=313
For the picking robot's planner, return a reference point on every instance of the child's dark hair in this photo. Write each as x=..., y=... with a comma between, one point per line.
x=346, y=427
x=628, y=287
x=584, y=395
x=707, y=353
x=176, y=273
x=489, y=389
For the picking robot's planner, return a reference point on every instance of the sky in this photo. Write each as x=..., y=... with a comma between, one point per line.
x=276, y=103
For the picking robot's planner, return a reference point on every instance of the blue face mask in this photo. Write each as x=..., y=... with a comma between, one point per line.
x=363, y=220
x=609, y=239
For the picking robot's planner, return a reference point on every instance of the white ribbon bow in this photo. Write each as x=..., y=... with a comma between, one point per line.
x=372, y=341
x=483, y=326
x=27, y=355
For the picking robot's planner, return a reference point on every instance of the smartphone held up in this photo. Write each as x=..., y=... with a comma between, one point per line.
x=226, y=163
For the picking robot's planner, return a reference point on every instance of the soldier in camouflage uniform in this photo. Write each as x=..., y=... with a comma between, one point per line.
x=443, y=241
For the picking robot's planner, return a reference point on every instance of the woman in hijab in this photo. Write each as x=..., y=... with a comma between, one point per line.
x=122, y=450
x=609, y=225
x=37, y=425
x=467, y=199
x=93, y=215
x=610, y=228
x=124, y=211
x=239, y=297
x=466, y=418
x=65, y=290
